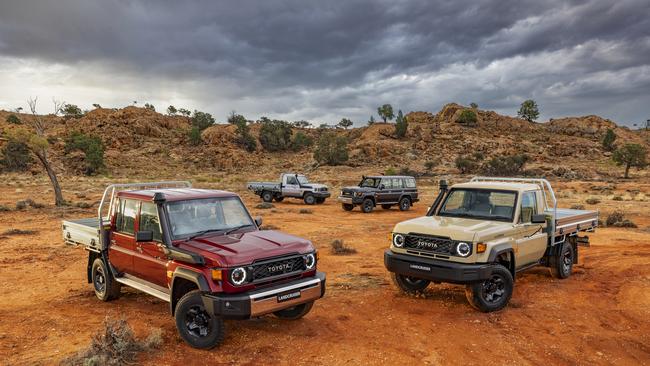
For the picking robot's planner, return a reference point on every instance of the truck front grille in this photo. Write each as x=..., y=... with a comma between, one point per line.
x=277, y=267
x=433, y=244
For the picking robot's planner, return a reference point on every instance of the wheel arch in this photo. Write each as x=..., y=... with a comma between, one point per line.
x=91, y=259
x=504, y=254
x=183, y=281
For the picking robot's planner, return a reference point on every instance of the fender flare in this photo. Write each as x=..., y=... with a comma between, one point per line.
x=502, y=249
x=189, y=275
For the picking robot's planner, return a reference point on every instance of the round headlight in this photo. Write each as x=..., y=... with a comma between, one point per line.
x=238, y=276
x=398, y=240
x=310, y=261
x=463, y=249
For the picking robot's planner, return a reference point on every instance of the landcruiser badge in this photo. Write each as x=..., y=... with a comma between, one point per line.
x=419, y=267
x=289, y=296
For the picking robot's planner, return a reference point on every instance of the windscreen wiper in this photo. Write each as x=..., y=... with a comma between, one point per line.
x=201, y=233
x=236, y=228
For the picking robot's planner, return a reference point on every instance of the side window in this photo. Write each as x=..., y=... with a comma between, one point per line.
x=397, y=183
x=149, y=220
x=388, y=184
x=410, y=182
x=128, y=209
x=528, y=207
x=292, y=180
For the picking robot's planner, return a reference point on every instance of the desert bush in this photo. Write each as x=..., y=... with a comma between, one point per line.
x=115, y=345
x=465, y=165
x=300, y=141
x=338, y=247
x=528, y=110
x=171, y=110
x=467, y=117
x=429, y=165
x=401, y=125
x=19, y=232
x=386, y=112
x=345, y=123
x=275, y=135
x=473, y=105
x=578, y=207
x=617, y=198
x=150, y=107
x=617, y=219
x=405, y=170
x=305, y=211
x=15, y=156
x=331, y=149
x=608, y=140
x=390, y=171
x=505, y=165
x=194, y=136
x=631, y=155
x=478, y=156
x=71, y=111
x=236, y=119
x=13, y=119
x=91, y=146
x=264, y=205
x=592, y=200
x=4, y=208
x=21, y=205
x=201, y=120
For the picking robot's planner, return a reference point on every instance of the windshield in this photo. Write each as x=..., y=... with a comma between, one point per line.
x=370, y=182
x=210, y=214
x=302, y=179
x=483, y=204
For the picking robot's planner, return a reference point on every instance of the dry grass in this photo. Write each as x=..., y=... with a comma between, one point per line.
x=305, y=211
x=338, y=247
x=19, y=232
x=115, y=345
x=265, y=205
x=617, y=219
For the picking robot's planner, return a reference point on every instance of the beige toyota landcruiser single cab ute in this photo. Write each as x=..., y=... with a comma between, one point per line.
x=482, y=233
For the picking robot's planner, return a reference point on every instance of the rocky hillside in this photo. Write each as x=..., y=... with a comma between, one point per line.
x=144, y=141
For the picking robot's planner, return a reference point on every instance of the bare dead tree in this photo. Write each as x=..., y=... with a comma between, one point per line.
x=39, y=147
x=58, y=105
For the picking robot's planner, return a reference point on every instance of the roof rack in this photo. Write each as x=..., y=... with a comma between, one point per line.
x=543, y=184
x=114, y=188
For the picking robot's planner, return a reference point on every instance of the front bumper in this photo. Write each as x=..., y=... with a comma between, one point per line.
x=350, y=200
x=268, y=300
x=436, y=270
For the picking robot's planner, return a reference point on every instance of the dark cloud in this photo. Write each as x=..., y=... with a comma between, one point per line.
x=325, y=60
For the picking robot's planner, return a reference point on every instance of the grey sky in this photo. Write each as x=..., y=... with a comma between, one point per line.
x=324, y=60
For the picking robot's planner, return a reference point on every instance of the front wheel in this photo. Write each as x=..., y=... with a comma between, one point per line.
x=409, y=285
x=492, y=294
x=404, y=204
x=106, y=288
x=296, y=312
x=562, y=263
x=347, y=206
x=367, y=205
x=309, y=199
x=195, y=325
x=267, y=196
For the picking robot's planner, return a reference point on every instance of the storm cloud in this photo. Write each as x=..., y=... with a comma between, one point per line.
x=321, y=61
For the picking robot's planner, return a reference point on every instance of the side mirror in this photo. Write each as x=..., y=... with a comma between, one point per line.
x=381, y=187
x=258, y=221
x=145, y=236
x=538, y=219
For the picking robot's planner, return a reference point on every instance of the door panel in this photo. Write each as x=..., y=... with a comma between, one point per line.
x=149, y=261
x=384, y=195
x=122, y=244
x=530, y=249
x=291, y=187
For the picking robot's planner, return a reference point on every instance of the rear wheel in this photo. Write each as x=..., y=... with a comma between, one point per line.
x=367, y=205
x=294, y=313
x=347, y=206
x=106, y=288
x=386, y=207
x=492, y=294
x=309, y=199
x=278, y=198
x=409, y=285
x=562, y=262
x=195, y=325
x=267, y=196
x=404, y=204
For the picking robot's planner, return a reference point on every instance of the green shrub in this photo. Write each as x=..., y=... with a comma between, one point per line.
x=71, y=111
x=345, y=123
x=275, y=135
x=401, y=125
x=331, y=149
x=15, y=157
x=390, y=171
x=194, y=136
x=91, y=146
x=465, y=165
x=13, y=119
x=171, y=110
x=467, y=117
x=608, y=140
x=149, y=107
x=236, y=119
x=301, y=141
x=202, y=120
x=429, y=165
x=528, y=110
x=473, y=105
x=245, y=139
x=506, y=165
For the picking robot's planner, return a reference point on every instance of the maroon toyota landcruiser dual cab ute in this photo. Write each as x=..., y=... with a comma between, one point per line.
x=201, y=251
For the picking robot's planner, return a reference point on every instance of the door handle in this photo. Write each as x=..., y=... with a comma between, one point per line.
x=138, y=249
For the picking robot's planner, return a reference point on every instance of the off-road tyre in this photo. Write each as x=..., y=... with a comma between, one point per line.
x=309, y=198
x=347, y=206
x=278, y=198
x=367, y=205
x=105, y=286
x=198, y=328
x=409, y=285
x=404, y=204
x=492, y=294
x=320, y=200
x=562, y=263
x=296, y=312
x=386, y=207
x=267, y=196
